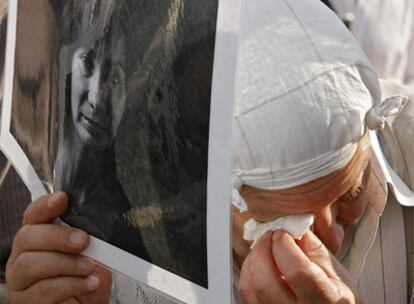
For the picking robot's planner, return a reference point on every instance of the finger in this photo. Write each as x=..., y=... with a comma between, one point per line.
x=103, y=293
x=56, y=290
x=264, y=279
x=48, y=237
x=240, y=246
x=33, y=266
x=317, y=252
x=245, y=286
x=266, y=275
x=306, y=279
x=46, y=208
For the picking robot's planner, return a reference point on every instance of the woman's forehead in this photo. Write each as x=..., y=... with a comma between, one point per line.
x=321, y=191
x=306, y=197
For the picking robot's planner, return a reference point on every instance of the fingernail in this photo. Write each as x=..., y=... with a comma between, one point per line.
x=78, y=238
x=53, y=199
x=85, y=264
x=276, y=235
x=92, y=282
x=25, y=213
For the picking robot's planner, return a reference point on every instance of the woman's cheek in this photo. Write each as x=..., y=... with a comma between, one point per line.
x=351, y=211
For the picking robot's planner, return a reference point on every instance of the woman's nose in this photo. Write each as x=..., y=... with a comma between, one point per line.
x=349, y=212
x=329, y=230
x=96, y=90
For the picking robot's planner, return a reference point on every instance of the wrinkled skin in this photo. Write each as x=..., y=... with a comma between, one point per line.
x=282, y=270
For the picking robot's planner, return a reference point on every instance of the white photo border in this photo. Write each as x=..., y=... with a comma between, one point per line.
x=219, y=257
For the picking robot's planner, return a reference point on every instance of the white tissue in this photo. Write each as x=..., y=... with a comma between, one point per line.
x=295, y=225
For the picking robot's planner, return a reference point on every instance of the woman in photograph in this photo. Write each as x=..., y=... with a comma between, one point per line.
x=133, y=143
x=93, y=103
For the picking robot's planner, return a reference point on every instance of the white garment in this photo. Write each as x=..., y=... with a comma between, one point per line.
x=384, y=278
x=385, y=31
x=303, y=91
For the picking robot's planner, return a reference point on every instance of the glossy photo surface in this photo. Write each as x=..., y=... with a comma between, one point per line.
x=133, y=128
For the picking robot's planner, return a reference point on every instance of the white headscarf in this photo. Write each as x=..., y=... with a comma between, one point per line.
x=305, y=94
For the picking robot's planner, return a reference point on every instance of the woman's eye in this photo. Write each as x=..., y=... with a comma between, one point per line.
x=87, y=64
x=115, y=78
x=352, y=194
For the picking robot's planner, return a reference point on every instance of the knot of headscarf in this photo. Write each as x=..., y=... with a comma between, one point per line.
x=237, y=199
x=376, y=116
x=271, y=179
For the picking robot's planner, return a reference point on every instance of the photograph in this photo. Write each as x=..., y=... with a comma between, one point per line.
x=207, y=151
x=135, y=88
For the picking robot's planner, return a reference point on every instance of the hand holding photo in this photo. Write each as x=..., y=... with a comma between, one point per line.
x=141, y=100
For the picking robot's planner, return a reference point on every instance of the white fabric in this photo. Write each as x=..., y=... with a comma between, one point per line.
x=302, y=124
x=270, y=179
x=236, y=199
x=127, y=291
x=402, y=192
x=384, y=278
x=303, y=89
x=384, y=30
x=397, y=145
x=300, y=71
x=295, y=225
x=377, y=116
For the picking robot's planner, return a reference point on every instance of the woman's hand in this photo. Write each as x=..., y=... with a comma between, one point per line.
x=282, y=270
x=45, y=265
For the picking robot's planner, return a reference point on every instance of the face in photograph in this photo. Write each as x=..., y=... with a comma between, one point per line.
x=93, y=103
x=98, y=93
x=135, y=103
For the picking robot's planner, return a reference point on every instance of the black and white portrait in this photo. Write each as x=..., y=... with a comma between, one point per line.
x=134, y=111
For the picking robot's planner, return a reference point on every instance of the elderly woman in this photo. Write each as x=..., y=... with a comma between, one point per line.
x=306, y=101
x=307, y=98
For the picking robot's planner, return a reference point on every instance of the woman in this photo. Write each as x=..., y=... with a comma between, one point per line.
x=301, y=145
x=92, y=106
